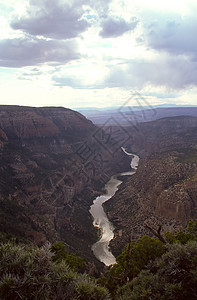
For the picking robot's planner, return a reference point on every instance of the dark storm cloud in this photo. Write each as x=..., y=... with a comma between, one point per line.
x=20, y=52
x=53, y=19
x=114, y=27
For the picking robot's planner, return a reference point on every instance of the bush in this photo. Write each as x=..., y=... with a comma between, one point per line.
x=60, y=253
x=134, y=258
x=183, y=237
x=30, y=273
x=173, y=276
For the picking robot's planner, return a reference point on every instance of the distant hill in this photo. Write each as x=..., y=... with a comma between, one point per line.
x=129, y=115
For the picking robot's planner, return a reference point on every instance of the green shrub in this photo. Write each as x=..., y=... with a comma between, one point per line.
x=134, y=258
x=60, y=253
x=30, y=273
x=89, y=289
x=173, y=276
x=183, y=237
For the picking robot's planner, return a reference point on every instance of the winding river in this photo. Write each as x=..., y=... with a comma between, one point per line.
x=101, y=247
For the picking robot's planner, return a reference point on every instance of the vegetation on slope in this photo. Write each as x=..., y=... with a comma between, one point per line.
x=147, y=269
x=32, y=273
x=150, y=269
x=173, y=276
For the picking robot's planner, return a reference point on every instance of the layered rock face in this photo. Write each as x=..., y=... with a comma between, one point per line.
x=53, y=161
x=164, y=189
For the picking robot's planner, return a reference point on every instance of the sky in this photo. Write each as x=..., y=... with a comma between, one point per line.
x=87, y=53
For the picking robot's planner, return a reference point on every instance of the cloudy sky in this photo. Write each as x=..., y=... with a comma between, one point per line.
x=84, y=53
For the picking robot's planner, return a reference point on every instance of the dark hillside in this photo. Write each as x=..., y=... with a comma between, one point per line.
x=164, y=189
x=52, y=164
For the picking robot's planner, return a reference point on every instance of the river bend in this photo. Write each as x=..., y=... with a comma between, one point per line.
x=100, y=220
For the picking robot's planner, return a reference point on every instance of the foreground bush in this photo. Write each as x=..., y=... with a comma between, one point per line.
x=60, y=253
x=173, y=276
x=135, y=257
x=30, y=273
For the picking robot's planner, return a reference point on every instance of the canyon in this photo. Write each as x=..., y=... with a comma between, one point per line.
x=54, y=162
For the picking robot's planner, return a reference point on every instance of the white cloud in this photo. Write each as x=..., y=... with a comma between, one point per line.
x=172, y=72
x=104, y=47
x=114, y=27
x=173, y=32
x=20, y=52
x=52, y=19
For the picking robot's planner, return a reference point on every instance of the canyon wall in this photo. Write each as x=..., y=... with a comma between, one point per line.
x=164, y=189
x=53, y=161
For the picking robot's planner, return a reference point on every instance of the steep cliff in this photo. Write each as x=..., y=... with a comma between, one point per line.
x=52, y=162
x=164, y=189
